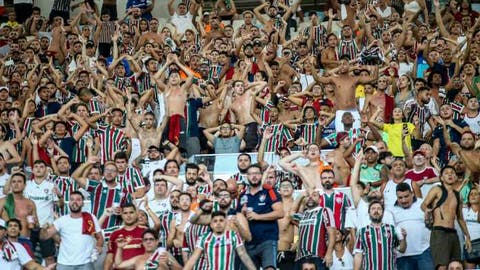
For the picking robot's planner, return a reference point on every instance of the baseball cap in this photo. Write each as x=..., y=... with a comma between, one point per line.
x=373, y=148
x=418, y=152
x=3, y=224
x=2, y=88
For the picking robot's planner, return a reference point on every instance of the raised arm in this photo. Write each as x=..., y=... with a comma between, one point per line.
x=356, y=194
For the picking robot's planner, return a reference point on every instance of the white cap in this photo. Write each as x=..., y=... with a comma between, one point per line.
x=3, y=224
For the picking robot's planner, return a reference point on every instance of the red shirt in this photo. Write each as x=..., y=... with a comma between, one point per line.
x=134, y=246
x=427, y=173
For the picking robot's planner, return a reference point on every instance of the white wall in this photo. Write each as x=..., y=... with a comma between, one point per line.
x=160, y=9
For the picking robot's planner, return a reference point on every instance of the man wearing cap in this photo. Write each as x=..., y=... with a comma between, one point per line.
x=422, y=175
x=372, y=173
x=4, y=94
x=13, y=255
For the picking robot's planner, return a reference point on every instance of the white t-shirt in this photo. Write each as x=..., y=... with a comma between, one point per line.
x=471, y=218
x=21, y=259
x=76, y=248
x=390, y=193
x=473, y=123
x=182, y=22
x=412, y=220
x=3, y=180
x=363, y=218
x=44, y=198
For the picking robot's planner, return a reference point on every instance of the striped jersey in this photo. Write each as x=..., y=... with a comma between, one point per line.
x=123, y=82
x=378, y=246
x=95, y=105
x=66, y=185
x=219, y=250
x=103, y=197
x=348, y=48
x=144, y=83
x=338, y=203
x=131, y=180
x=192, y=233
x=108, y=29
x=307, y=131
x=166, y=218
x=112, y=139
x=281, y=136
x=80, y=150
x=312, y=231
x=265, y=112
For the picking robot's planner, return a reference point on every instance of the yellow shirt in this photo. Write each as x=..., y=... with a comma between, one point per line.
x=394, y=137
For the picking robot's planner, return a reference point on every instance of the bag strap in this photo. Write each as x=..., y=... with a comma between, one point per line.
x=443, y=198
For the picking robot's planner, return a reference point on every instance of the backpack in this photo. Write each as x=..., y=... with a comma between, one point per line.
x=443, y=198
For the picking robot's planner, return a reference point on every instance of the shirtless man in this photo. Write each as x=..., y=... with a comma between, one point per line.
x=149, y=135
x=329, y=56
x=240, y=107
x=380, y=100
x=7, y=149
x=177, y=225
x=340, y=165
x=444, y=240
x=176, y=99
x=272, y=23
x=310, y=173
x=466, y=150
x=345, y=85
x=21, y=208
x=286, y=229
x=151, y=36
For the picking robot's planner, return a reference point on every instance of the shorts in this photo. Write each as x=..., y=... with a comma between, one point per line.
x=444, y=245
x=286, y=260
x=263, y=254
x=47, y=247
x=251, y=136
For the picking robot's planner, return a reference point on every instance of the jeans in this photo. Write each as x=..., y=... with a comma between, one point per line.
x=263, y=254
x=87, y=266
x=416, y=262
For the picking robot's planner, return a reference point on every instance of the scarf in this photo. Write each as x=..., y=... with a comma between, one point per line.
x=10, y=206
x=152, y=262
x=9, y=251
x=88, y=226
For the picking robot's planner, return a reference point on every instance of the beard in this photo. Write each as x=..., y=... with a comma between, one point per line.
x=311, y=204
x=255, y=184
x=75, y=208
x=328, y=186
x=375, y=219
x=243, y=171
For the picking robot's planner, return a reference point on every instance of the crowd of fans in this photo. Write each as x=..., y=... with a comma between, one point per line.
x=100, y=110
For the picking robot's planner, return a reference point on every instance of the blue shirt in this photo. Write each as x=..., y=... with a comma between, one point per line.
x=261, y=203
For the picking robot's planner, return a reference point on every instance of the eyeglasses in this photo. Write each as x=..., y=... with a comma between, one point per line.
x=148, y=239
x=286, y=53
